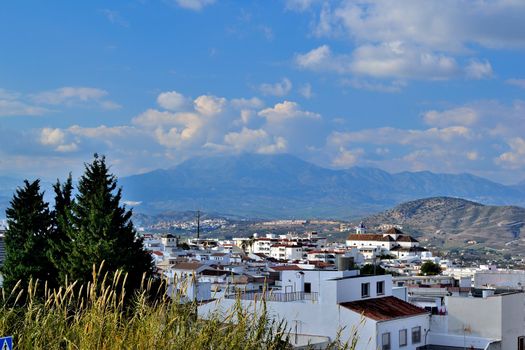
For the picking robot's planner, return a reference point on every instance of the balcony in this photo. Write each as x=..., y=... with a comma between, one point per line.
x=274, y=296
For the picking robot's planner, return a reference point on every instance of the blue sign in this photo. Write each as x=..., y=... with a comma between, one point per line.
x=6, y=343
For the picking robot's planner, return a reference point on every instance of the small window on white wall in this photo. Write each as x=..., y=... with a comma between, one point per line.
x=380, y=287
x=365, y=290
x=416, y=335
x=402, y=337
x=385, y=341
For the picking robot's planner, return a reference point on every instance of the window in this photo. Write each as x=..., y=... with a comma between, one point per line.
x=416, y=335
x=365, y=290
x=307, y=287
x=385, y=340
x=380, y=287
x=521, y=343
x=403, y=337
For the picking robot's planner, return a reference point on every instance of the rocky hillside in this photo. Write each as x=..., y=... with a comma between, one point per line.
x=451, y=222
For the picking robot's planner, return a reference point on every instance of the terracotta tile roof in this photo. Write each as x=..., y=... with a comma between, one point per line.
x=285, y=268
x=384, y=309
x=370, y=237
x=187, y=266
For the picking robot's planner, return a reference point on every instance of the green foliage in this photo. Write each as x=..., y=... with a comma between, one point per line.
x=96, y=316
x=369, y=269
x=26, y=239
x=430, y=268
x=97, y=228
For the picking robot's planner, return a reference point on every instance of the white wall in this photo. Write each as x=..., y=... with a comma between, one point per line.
x=394, y=326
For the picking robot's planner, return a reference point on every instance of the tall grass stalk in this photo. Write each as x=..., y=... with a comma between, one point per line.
x=100, y=316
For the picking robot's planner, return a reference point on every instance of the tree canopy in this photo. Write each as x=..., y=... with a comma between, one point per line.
x=82, y=231
x=27, y=238
x=429, y=268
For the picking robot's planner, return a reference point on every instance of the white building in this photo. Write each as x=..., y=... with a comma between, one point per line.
x=493, y=322
x=286, y=252
x=317, y=304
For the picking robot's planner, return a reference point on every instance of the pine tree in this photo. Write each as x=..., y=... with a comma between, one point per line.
x=26, y=239
x=100, y=229
x=58, y=240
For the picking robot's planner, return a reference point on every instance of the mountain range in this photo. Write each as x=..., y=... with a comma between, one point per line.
x=284, y=186
x=448, y=222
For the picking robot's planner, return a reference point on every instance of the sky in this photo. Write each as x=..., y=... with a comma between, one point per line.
x=406, y=85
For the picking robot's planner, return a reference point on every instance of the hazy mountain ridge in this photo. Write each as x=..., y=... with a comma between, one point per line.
x=456, y=221
x=270, y=186
x=284, y=186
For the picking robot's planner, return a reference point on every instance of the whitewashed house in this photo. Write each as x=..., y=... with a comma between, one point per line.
x=317, y=304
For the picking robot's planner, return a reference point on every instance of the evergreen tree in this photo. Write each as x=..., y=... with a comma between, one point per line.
x=59, y=241
x=100, y=229
x=26, y=239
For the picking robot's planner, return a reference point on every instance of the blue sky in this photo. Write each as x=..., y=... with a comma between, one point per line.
x=400, y=85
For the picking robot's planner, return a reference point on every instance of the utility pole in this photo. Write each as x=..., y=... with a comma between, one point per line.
x=198, y=224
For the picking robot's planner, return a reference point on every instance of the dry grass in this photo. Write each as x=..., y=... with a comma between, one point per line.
x=100, y=316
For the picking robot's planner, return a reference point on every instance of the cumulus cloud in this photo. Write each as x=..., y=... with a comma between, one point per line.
x=414, y=39
x=456, y=116
x=278, y=89
x=56, y=138
x=347, y=158
x=51, y=136
x=209, y=105
x=286, y=110
x=515, y=157
x=435, y=24
x=479, y=70
x=387, y=60
x=172, y=100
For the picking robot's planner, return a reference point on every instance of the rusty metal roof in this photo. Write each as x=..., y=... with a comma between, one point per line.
x=384, y=309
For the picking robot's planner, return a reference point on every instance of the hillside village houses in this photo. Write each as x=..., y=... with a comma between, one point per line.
x=316, y=287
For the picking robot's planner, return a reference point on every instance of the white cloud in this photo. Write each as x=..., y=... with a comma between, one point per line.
x=433, y=24
x=286, y=110
x=479, y=70
x=347, y=158
x=56, y=138
x=516, y=82
x=299, y=5
x=306, y=91
x=456, y=116
x=209, y=105
x=278, y=89
x=69, y=96
x=414, y=39
x=195, y=5
x=392, y=87
x=515, y=157
x=10, y=107
x=393, y=136
x=247, y=103
x=51, y=136
x=394, y=60
x=172, y=100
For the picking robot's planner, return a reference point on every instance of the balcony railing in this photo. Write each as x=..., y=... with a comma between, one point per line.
x=274, y=296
